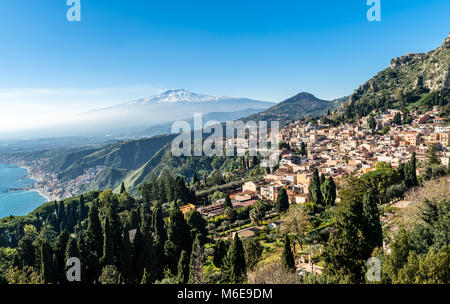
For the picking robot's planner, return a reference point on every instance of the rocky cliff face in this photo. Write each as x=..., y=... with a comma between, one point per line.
x=399, y=61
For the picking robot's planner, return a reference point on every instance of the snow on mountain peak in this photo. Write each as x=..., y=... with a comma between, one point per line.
x=181, y=95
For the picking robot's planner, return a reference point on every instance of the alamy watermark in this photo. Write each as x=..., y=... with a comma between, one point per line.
x=74, y=11
x=240, y=139
x=374, y=12
x=73, y=273
x=373, y=273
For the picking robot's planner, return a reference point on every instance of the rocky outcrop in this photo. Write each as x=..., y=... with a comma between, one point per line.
x=399, y=61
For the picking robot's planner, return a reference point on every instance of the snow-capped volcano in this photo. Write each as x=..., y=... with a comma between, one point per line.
x=174, y=96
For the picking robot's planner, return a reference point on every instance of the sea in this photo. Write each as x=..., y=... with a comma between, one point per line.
x=14, y=199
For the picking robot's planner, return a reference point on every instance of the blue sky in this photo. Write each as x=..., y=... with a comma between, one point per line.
x=268, y=50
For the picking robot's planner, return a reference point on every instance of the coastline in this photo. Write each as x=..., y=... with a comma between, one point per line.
x=34, y=187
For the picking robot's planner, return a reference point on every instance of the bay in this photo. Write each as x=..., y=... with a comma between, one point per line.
x=14, y=198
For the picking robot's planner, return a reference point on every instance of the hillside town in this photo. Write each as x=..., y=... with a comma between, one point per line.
x=342, y=150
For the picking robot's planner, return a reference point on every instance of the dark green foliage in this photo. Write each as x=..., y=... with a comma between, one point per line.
x=227, y=204
x=345, y=253
x=27, y=251
x=183, y=268
x=220, y=251
x=253, y=252
x=197, y=261
x=122, y=188
x=314, y=188
x=94, y=234
x=397, y=119
x=108, y=257
x=48, y=270
x=287, y=258
x=234, y=266
x=282, y=203
x=198, y=225
x=179, y=237
x=410, y=177
x=371, y=226
x=328, y=190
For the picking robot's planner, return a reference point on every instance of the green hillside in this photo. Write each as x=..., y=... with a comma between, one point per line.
x=415, y=80
x=128, y=155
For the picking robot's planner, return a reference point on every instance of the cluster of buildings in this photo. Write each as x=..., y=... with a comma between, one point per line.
x=343, y=150
x=50, y=186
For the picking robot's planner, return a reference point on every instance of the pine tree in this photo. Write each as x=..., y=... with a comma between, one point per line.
x=234, y=268
x=183, y=268
x=282, y=204
x=287, y=258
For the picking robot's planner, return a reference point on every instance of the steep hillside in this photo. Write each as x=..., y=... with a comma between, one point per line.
x=294, y=108
x=128, y=155
x=108, y=178
x=185, y=166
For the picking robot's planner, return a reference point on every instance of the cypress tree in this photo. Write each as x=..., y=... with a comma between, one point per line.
x=47, y=267
x=133, y=220
x=234, y=268
x=314, y=188
x=282, y=204
x=410, y=172
x=178, y=237
x=287, y=258
x=372, y=227
x=162, y=197
x=108, y=245
x=195, y=179
x=158, y=224
x=322, y=179
x=328, y=190
x=146, y=278
x=122, y=188
x=227, y=204
x=94, y=234
x=183, y=268
x=196, y=262
x=220, y=251
x=345, y=254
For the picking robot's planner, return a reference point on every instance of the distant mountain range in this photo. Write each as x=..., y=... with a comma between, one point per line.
x=139, y=115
